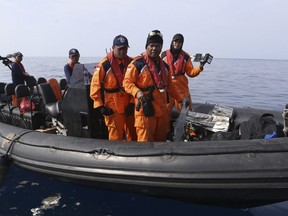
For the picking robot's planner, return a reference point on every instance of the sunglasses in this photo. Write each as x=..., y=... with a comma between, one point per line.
x=154, y=33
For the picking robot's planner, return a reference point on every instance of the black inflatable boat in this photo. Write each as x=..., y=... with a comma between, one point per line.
x=217, y=170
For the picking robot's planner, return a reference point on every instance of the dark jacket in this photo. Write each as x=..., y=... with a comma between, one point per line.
x=18, y=76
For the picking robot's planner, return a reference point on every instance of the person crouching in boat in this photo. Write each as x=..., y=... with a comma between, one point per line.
x=180, y=64
x=74, y=56
x=147, y=79
x=108, y=94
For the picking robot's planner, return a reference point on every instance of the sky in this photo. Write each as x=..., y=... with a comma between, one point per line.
x=253, y=29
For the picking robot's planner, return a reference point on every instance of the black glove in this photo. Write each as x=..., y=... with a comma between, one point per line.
x=105, y=110
x=147, y=106
x=141, y=100
x=129, y=109
x=203, y=62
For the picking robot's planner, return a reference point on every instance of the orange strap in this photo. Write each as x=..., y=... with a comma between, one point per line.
x=159, y=78
x=175, y=68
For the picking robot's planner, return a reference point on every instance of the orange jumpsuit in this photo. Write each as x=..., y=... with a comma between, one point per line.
x=117, y=123
x=180, y=80
x=138, y=77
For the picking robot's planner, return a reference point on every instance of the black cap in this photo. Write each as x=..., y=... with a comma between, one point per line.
x=120, y=41
x=18, y=54
x=154, y=36
x=73, y=51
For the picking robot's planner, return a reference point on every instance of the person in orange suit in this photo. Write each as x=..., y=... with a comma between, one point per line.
x=108, y=94
x=148, y=80
x=180, y=65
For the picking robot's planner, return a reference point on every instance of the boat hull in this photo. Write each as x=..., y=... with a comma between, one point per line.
x=239, y=173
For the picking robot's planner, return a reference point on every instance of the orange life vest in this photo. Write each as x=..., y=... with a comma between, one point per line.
x=21, y=66
x=70, y=63
x=160, y=79
x=175, y=68
x=56, y=88
x=115, y=67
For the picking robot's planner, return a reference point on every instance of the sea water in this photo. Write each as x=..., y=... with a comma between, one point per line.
x=230, y=82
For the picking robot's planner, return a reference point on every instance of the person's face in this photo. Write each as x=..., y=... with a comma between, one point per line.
x=120, y=52
x=19, y=58
x=177, y=44
x=74, y=58
x=154, y=50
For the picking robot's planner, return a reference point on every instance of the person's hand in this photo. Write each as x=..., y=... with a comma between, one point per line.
x=141, y=100
x=105, y=111
x=203, y=62
x=185, y=102
x=139, y=94
x=205, y=59
x=129, y=109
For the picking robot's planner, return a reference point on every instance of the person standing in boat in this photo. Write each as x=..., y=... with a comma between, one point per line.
x=180, y=64
x=19, y=74
x=74, y=56
x=147, y=79
x=108, y=94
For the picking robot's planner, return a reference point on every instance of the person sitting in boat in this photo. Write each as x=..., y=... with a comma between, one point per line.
x=19, y=74
x=108, y=94
x=147, y=79
x=180, y=64
x=74, y=56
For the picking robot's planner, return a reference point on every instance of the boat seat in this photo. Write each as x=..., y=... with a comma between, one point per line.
x=63, y=86
x=33, y=118
x=52, y=106
x=9, y=90
x=31, y=82
x=41, y=80
x=53, y=109
x=3, y=100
